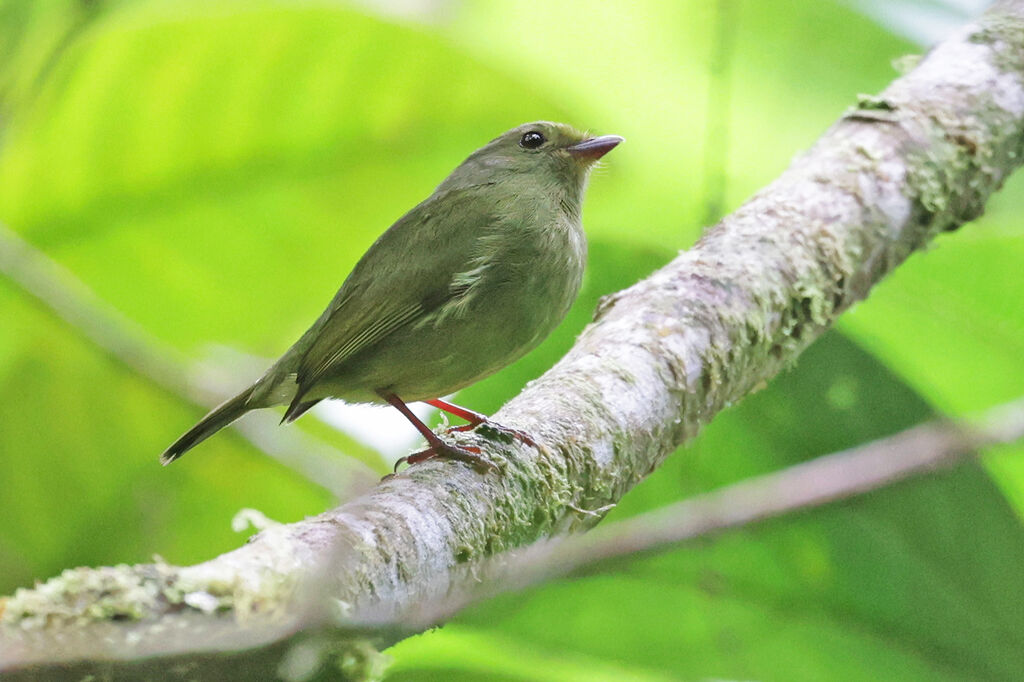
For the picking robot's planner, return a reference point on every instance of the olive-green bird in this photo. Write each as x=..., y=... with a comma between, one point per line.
x=463, y=284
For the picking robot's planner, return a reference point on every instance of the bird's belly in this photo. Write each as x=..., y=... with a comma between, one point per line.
x=493, y=327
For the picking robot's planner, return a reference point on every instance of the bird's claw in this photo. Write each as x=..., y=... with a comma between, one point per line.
x=468, y=454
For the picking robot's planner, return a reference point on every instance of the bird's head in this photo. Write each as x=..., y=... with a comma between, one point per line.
x=552, y=152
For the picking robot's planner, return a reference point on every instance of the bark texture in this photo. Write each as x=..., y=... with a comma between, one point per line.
x=659, y=361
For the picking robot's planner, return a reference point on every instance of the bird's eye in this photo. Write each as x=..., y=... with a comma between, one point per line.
x=531, y=140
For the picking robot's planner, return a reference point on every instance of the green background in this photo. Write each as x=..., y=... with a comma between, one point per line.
x=212, y=170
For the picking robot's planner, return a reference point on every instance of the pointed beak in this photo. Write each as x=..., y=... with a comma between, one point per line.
x=594, y=148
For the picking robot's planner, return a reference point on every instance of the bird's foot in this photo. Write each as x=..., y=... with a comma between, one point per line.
x=489, y=429
x=468, y=454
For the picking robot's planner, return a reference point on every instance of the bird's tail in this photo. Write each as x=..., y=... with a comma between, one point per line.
x=217, y=419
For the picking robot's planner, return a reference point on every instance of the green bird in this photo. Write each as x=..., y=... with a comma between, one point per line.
x=465, y=283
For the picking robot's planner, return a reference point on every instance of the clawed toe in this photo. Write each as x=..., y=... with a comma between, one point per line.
x=468, y=454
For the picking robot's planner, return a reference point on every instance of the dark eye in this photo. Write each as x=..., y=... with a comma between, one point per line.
x=532, y=140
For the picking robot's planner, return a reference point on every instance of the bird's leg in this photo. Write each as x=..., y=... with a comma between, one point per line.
x=438, y=448
x=475, y=419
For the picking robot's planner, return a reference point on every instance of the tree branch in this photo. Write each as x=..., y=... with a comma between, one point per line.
x=659, y=361
x=817, y=482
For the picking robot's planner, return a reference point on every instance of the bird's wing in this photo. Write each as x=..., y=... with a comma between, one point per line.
x=422, y=262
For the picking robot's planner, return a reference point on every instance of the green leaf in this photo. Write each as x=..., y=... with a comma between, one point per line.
x=81, y=480
x=642, y=69
x=951, y=323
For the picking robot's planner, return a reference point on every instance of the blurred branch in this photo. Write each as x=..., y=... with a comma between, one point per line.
x=661, y=359
x=60, y=292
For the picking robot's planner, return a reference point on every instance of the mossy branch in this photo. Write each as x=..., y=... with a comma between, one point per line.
x=659, y=361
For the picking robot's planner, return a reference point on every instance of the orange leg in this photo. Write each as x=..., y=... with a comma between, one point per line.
x=475, y=419
x=437, y=447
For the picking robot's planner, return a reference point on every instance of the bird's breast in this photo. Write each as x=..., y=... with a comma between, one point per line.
x=533, y=285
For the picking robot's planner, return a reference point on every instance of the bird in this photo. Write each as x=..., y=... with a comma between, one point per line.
x=469, y=280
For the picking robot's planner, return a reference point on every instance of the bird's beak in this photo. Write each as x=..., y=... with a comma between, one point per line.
x=594, y=148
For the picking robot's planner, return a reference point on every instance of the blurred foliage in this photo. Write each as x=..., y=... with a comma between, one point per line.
x=214, y=169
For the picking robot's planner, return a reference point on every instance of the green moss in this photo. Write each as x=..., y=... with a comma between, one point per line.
x=906, y=63
x=362, y=662
x=874, y=103
x=80, y=596
x=951, y=176
x=494, y=434
x=1006, y=28
x=83, y=595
